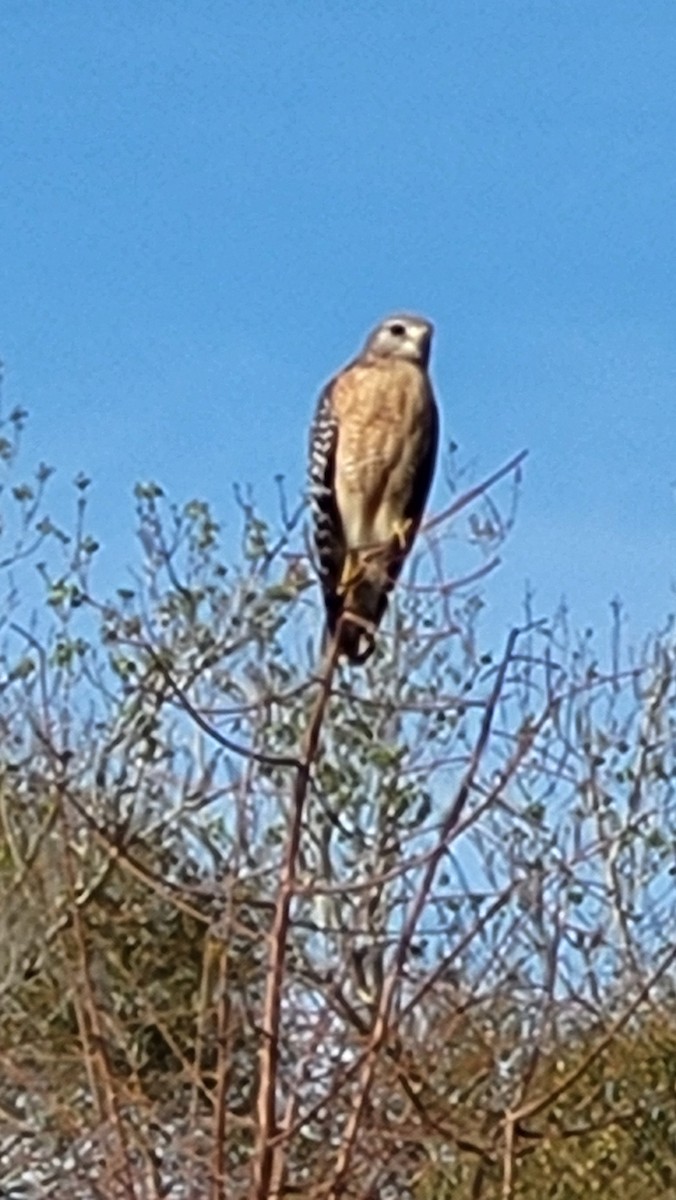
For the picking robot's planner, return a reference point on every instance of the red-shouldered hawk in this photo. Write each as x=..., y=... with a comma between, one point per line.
x=373, y=449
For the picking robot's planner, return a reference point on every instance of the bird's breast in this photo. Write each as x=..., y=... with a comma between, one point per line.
x=382, y=412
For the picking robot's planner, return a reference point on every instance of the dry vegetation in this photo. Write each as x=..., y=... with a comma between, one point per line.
x=273, y=929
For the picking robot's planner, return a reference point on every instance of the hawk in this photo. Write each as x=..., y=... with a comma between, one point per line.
x=373, y=449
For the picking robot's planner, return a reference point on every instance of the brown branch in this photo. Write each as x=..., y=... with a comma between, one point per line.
x=382, y=1017
x=508, y=1160
x=480, y=924
x=453, y=585
x=271, y=760
x=539, y=1103
x=473, y=493
x=454, y=812
x=116, y=851
x=218, y=1168
x=94, y=1045
x=265, y=1154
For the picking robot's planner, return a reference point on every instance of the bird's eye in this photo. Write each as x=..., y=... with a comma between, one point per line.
x=398, y=330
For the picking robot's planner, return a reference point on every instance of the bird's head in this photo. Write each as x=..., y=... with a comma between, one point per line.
x=401, y=337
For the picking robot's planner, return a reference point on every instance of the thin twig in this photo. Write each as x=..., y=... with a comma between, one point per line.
x=532, y=1107
x=473, y=493
x=381, y=1021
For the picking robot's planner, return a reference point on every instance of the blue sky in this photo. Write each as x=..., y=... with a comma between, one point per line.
x=205, y=206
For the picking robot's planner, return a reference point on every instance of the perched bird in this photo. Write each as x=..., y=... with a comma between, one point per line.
x=373, y=449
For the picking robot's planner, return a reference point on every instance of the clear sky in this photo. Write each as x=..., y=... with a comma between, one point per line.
x=205, y=206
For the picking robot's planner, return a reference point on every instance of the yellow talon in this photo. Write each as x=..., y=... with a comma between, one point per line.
x=400, y=532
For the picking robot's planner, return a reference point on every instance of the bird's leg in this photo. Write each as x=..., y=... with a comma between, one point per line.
x=351, y=573
x=358, y=561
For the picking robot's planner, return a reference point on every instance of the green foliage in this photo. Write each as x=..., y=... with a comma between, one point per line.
x=482, y=883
